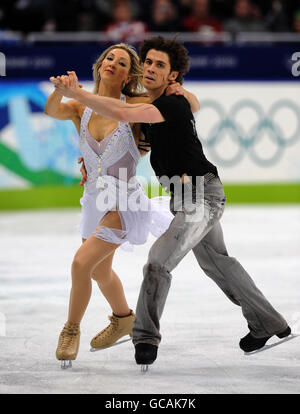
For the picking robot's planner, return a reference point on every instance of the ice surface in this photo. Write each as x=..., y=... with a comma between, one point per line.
x=201, y=328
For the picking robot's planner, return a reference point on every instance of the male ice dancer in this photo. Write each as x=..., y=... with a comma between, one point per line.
x=177, y=152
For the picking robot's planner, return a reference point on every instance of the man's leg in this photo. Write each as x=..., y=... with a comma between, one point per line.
x=165, y=254
x=232, y=278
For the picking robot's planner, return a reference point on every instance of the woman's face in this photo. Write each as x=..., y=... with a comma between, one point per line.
x=115, y=67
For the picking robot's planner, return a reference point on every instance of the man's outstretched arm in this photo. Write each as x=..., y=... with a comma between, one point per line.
x=108, y=107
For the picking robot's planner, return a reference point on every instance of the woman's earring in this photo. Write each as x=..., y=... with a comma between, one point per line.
x=123, y=85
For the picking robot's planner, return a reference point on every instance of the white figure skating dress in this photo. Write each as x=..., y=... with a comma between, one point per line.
x=111, y=184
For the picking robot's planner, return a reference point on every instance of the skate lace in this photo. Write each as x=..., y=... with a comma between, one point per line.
x=111, y=328
x=68, y=335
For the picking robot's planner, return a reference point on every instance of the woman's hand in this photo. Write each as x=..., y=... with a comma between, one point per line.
x=175, y=88
x=66, y=85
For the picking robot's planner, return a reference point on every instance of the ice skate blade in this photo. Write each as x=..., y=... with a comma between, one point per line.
x=144, y=369
x=266, y=347
x=65, y=364
x=115, y=344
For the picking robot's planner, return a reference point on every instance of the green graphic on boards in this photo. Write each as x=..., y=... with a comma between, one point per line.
x=34, y=147
x=12, y=162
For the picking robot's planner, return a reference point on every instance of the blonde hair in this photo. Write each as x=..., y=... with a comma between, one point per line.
x=134, y=87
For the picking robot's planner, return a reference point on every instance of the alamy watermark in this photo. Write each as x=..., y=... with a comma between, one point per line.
x=2, y=64
x=187, y=196
x=296, y=65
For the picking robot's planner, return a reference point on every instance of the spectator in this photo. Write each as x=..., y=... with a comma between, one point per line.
x=103, y=6
x=276, y=19
x=247, y=18
x=27, y=15
x=3, y=16
x=64, y=16
x=200, y=19
x=296, y=23
x=124, y=28
x=89, y=18
x=184, y=7
x=164, y=17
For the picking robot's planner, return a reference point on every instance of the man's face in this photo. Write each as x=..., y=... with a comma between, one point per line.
x=157, y=70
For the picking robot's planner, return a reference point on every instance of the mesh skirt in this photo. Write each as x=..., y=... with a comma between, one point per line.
x=139, y=215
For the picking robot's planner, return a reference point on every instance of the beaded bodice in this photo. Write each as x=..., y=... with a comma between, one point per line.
x=117, y=150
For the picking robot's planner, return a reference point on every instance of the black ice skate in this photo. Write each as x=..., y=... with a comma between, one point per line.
x=250, y=344
x=145, y=354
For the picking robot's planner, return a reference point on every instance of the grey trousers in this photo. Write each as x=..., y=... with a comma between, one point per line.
x=204, y=236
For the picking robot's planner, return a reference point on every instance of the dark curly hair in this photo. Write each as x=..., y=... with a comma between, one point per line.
x=178, y=54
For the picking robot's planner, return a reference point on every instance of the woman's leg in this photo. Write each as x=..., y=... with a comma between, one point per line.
x=92, y=252
x=111, y=286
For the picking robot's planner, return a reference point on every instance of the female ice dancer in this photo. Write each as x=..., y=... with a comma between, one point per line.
x=109, y=149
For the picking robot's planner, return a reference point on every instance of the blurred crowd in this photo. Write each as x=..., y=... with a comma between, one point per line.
x=124, y=18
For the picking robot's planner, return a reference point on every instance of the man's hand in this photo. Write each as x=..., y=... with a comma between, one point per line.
x=67, y=86
x=143, y=146
x=83, y=171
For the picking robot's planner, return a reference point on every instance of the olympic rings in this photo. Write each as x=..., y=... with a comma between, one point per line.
x=246, y=142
